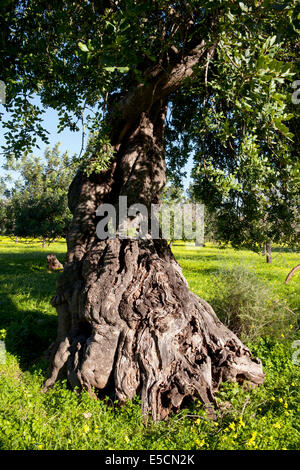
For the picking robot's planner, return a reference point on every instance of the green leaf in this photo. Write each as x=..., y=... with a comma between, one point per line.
x=119, y=69
x=243, y=7
x=109, y=69
x=283, y=128
x=231, y=16
x=83, y=47
x=123, y=69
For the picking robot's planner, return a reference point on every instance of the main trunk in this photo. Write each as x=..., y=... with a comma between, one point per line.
x=127, y=320
x=269, y=252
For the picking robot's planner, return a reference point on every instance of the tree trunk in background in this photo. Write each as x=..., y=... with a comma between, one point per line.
x=127, y=320
x=268, y=251
x=44, y=243
x=53, y=263
x=17, y=240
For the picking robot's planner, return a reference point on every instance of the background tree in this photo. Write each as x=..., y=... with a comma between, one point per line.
x=4, y=201
x=126, y=316
x=172, y=197
x=37, y=206
x=246, y=162
x=210, y=232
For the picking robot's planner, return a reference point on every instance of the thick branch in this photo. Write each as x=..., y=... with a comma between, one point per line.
x=159, y=83
x=291, y=273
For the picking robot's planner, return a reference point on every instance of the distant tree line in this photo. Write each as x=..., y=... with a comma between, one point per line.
x=35, y=205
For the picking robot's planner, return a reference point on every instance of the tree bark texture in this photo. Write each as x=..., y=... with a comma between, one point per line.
x=269, y=252
x=53, y=263
x=127, y=320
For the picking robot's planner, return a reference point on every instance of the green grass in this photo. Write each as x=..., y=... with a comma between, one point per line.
x=200, y=266
x=263, y=418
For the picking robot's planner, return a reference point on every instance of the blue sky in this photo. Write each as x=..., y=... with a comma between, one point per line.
x=70, y=141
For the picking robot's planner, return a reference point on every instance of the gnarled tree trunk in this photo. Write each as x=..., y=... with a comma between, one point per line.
x=127, y=319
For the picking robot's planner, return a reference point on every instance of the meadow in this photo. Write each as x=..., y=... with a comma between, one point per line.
x=266, y=417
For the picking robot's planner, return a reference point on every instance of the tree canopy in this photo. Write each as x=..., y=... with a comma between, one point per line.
x=97, y=71
x=247, y=154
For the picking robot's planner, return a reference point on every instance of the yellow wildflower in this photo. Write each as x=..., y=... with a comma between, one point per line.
x=251, y=441
x=232, y=426
x=200, y=443
x=281, y=400
x=40, y=447
x=126, y=439
x=277, y=426
x=86, y=428
x=241, y=423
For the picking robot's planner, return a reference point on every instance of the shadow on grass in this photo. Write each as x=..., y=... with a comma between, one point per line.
x=29, y=334
x=26, y=288
x=191, y=270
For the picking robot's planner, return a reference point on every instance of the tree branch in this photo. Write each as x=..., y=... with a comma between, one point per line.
x=159, y=82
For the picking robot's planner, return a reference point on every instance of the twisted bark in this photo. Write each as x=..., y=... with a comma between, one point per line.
x=127, y=320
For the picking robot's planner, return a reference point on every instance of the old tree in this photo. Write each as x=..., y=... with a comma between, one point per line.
x=127, y=320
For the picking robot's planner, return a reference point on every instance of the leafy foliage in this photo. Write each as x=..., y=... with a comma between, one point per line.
x=246, y=156
x=248, y=307
x=84, y=58
x=37, y=204
x=97, y=156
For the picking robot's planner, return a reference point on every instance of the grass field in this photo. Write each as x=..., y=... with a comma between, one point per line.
x=264, y=418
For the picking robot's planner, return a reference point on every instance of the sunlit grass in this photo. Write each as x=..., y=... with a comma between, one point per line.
x=263, y=418
x=200, y=267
